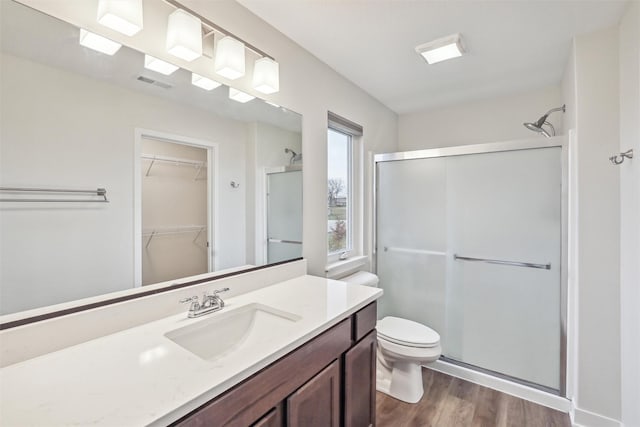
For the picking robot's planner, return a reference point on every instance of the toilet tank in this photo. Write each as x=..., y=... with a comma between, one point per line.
x=362, y=278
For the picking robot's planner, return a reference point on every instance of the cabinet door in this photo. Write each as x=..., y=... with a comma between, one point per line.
x=272, y=419
x=317, y=403
x=360, y=383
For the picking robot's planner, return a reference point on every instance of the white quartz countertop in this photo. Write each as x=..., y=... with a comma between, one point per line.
x=139, y=377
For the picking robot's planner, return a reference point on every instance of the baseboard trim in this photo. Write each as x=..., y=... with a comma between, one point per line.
x=537, y=396
x=582, y=418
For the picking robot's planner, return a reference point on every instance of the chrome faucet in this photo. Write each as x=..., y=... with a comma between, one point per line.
x=210, y=303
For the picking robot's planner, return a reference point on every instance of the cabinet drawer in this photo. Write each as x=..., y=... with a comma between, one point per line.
x=364, y=321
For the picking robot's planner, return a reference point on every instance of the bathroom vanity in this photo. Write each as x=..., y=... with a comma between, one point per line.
x=298, y=353
x=329, y=381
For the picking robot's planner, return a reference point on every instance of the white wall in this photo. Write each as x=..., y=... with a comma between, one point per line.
x=77, y=132
x=630, y=214
x=307, y=86
x=590, y=88
x=491, y=120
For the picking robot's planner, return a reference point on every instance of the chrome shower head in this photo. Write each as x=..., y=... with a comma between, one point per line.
x=536, y=128
x=542, y=121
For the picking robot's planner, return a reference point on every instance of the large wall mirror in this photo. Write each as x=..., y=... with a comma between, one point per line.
x=141, y=178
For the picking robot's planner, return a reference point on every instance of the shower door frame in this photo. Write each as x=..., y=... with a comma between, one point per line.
x=561, y=142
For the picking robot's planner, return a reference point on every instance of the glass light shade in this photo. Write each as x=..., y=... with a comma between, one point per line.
x=99, y=43
x=124, y=16
x=239, y=96
x=203, y=82
x=184, y=35
x=158, y=65
x=441, y=49
x=229, y=60
x=266, y=75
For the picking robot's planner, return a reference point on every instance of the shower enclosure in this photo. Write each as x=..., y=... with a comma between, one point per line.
x=470, y=242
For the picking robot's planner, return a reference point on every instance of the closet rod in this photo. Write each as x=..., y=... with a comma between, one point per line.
x=99, y=192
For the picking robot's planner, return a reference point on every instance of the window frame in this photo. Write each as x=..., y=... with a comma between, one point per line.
x=355, y=194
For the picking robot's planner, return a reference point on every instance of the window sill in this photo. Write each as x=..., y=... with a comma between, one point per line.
x=340, y=268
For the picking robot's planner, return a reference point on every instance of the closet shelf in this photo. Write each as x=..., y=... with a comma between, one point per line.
x=177, y=161
x=179, y=229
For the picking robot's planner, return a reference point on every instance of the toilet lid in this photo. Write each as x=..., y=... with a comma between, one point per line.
x=407, y=332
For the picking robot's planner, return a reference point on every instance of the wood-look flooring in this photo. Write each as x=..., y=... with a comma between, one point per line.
x=450, y=401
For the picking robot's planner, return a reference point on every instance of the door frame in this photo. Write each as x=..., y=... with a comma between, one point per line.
x=212, y=193
x=567, y=146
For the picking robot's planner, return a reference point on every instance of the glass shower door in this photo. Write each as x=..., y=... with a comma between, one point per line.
x=504, y=315
x=284, y=215
x=463, y=246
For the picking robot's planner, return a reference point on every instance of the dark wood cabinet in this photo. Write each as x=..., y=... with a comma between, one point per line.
x=273, y=418
x=327, y=382
x=317, y=403
x=360, y=383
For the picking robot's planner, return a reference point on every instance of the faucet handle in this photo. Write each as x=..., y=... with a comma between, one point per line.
x=193, y=298
x=217, y=291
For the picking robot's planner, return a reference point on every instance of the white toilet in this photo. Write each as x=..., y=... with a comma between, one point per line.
x=403, y=346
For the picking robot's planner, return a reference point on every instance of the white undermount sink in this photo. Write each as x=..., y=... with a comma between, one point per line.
x=238, y=329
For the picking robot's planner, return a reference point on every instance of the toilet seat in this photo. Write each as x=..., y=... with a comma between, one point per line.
x=407, y=333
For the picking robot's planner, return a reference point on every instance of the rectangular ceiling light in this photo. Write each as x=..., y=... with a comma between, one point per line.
x=239, y=96
x=158, y=65
x=99, y=43
x=124, y=16
x=441, y=49
x=203, y=82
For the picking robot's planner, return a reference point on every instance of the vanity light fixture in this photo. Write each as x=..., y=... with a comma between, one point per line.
x=158, y=65
x=229, y=60
x=441, y=49
x=239, y=96
x=99, y=43
x=184, y=35
x=203, y=82
x=266, y=75
x=123, y=16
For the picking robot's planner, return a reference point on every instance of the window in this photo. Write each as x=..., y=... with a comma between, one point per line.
x=339, y=194
x=343, y=193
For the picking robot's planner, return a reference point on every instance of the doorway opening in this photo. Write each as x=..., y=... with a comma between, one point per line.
x=175, y=207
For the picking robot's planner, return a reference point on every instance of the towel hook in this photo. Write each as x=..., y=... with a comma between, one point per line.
x=619, y=158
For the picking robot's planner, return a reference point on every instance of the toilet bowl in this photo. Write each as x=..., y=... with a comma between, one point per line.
x=403, y=347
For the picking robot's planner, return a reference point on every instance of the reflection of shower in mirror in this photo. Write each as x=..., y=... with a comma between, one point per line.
x=295, y=157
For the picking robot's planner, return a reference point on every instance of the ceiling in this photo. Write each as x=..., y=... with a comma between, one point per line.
x=513, y=46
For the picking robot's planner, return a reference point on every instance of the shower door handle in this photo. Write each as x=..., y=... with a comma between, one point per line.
x=295, y=242
x=501, y=262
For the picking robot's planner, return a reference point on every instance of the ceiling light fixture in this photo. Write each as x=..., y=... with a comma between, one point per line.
x=99, y=43
x=158, y=65
x=442, y=49
x=124, y=16
x=184, y=35
x=203, y=82
x=229, y=61
x=239, y=96
x=266, y=75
